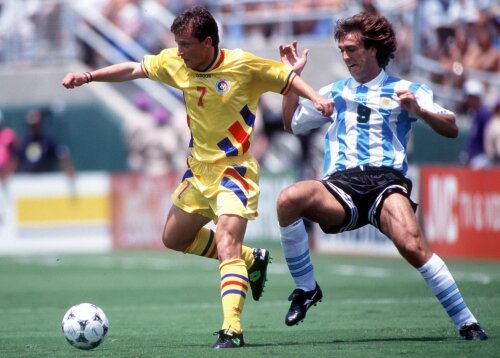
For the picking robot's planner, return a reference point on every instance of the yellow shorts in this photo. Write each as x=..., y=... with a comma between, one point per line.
x=215, y=189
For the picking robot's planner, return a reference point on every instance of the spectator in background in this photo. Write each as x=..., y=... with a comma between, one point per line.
x=480, y=115
x=152, y=142
x=452, y=59
x=482, y=55
x=8, y=150
x=39, y=153
x=492, y=137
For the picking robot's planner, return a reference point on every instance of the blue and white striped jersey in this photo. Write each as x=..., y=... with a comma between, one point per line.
x=368, y=126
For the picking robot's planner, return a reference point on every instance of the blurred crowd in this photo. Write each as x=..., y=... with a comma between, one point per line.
x=461, y=36
x=35, y=151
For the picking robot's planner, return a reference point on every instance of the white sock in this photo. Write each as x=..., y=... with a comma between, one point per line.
x=441, y=282
x=295, y=243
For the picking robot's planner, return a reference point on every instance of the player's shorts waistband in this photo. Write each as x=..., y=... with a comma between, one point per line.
x=370, y=168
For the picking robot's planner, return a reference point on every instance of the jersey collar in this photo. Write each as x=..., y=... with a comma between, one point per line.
x=216, y=61
x=373, y=84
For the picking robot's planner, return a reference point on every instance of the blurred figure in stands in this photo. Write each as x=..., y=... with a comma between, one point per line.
x=482, y=54
x=152, y=141
x=8, y=150
x=492, y=136
x=480, y=115
x=39, y=153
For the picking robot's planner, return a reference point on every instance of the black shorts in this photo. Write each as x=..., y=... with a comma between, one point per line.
x=361, y=191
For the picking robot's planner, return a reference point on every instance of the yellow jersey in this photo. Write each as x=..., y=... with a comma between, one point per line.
x=221, y=102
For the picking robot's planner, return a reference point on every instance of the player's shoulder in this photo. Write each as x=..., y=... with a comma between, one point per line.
x=168, y=53
x=239, y=55
x=336, y=86
x=406, y=84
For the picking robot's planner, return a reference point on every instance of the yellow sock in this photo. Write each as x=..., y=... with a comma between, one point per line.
x=204, y=245
x=247, y=256
x=233, y=290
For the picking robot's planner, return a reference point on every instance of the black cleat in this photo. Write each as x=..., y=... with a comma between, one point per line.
x=257, y=273
x=301, y=302
x=228, y=339
x=473, y=332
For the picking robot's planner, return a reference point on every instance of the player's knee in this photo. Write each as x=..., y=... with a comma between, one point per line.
x=288, y=199
x=172, y=244
x=414, y=249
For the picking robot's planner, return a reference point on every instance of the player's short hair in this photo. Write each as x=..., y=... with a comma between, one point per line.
x=201, y=23
x=376, y=31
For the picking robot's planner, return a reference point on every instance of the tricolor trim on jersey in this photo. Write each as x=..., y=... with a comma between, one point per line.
x=288, y=84
x=241, y=136
x=216, y=62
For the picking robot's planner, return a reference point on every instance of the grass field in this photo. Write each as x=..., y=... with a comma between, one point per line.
x=166, y=304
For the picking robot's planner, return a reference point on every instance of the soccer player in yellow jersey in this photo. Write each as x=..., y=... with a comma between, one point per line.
x=221, y=90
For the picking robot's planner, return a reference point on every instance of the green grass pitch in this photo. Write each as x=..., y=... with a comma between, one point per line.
x=166, y=304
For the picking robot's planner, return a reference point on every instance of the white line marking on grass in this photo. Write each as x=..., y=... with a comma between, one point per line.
x=110, y=262
x=479, y=277
x=362, y=271
x=377, y=272
x=274, y=303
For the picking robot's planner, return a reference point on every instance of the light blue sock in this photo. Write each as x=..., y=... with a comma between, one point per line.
x=295, y=244
x=441, y=282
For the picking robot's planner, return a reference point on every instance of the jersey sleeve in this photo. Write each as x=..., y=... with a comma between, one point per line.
x=307, y=117
x=425, y=99
x=160, y=67
x=270, y=75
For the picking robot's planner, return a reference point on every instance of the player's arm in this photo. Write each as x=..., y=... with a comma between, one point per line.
x=120, y=72
x=289, y=55
x=442, y=122
x=303, y=89
x=289, y=106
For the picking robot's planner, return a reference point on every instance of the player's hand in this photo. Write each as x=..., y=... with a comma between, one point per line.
x=289, y=56
x=408, y=102
x=72, y=80
x=325, y=106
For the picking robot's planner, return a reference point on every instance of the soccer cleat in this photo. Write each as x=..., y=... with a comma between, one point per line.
x=301, y=302
x=228, y=339
x=257, y=273
x=473, y=332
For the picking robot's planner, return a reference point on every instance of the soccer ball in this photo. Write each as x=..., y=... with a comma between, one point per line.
x=85, y=326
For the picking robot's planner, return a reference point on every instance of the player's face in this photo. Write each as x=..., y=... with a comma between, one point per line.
x=196, y=54
x=361, y=62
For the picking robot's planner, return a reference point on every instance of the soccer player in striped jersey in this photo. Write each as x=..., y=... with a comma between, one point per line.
x=221, y=90
x=365, y=164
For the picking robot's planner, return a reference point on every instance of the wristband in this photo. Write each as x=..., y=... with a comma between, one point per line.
x=89, y=77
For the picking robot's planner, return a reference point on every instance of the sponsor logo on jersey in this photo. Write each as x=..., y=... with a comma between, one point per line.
x=222, y=86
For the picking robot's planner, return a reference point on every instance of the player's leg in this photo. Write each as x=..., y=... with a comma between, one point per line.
x=398, y=222
x=234, y=279
x=191, y=209
x=256, y=259
x=306, y=199
x=181, y=229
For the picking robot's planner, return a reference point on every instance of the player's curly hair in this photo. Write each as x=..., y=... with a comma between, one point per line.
x=376, y=31
x=201, y=23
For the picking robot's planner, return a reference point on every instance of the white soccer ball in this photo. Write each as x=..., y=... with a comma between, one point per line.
x=85, y=326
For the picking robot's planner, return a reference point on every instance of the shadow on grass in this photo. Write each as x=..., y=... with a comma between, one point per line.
x=351, y=341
